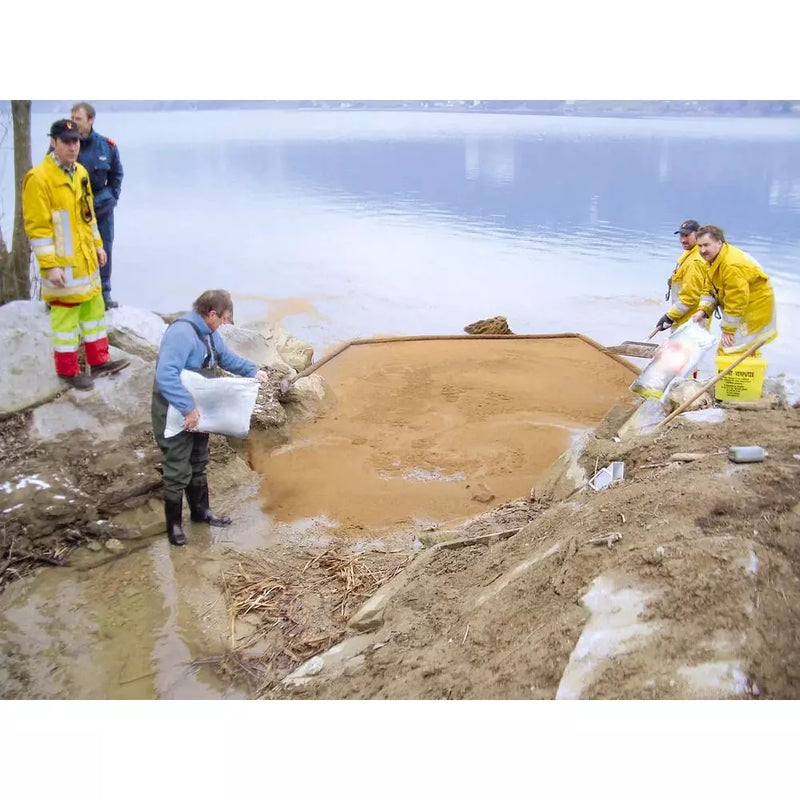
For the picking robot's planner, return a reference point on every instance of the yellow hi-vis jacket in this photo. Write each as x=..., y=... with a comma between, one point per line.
x=686, y=286
x=62, y=228
x=740, y=287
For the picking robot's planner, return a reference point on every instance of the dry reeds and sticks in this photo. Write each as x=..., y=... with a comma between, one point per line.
x=357, y=580
x=299, y=609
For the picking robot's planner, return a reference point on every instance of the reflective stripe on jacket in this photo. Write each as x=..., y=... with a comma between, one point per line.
x=686, y=286
x=56, y=209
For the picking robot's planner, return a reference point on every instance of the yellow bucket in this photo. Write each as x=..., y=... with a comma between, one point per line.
x=745, y=382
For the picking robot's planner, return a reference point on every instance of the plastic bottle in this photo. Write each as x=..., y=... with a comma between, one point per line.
x=746, y=454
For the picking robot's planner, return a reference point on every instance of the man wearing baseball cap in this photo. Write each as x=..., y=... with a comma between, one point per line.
x=685, y=285
x=58, y=207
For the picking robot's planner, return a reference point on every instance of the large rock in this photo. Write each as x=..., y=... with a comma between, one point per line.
x=308, y=397
x=295, y=352
x=253, y=344
x=682, y=391
x=136, y=331
x=29, y=376
x=37, y=504
x=115, y=402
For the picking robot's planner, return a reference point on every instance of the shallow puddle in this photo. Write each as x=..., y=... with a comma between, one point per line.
x=129, y=628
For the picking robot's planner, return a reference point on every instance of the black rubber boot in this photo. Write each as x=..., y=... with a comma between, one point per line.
x=197, y=494
x=173, y=511
x=110, y=367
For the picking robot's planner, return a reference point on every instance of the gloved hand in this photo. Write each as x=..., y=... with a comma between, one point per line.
x=664, y=323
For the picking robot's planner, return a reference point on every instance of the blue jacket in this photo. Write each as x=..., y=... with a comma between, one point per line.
x=181, y=349
x=100, y=156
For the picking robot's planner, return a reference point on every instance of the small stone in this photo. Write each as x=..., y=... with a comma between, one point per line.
x=427, y=539
x=94, y=546
x=115, y=546
x=315, y=666
x=483, y=494
x=370, y=616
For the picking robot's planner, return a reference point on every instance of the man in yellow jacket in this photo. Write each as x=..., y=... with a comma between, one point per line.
x=62, y=227
x=740, y=288
x=687, y=280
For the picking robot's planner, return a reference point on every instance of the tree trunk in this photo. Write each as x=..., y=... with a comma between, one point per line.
x=15, y=282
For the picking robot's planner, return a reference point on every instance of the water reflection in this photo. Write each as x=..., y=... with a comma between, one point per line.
x=405, y=223
x=489, y=161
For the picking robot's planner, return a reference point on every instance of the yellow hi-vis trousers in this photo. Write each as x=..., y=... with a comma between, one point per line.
x=69, y=323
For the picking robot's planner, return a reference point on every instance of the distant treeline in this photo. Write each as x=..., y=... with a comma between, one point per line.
x=563, y=107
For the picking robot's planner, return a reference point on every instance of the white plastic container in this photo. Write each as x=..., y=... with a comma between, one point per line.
x=604, y=477
x=746, y=454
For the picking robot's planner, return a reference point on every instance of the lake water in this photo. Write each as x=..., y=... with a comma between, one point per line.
x=354, y=224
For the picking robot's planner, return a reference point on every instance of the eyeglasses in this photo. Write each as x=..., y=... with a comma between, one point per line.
x=86, y=209
x=226, y=317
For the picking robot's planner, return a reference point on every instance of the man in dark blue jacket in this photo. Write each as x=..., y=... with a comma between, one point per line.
x=100, y=156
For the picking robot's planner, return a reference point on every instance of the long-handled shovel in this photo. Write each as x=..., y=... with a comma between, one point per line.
x=637, y=349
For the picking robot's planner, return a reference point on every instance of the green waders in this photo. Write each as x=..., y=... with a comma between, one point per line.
x=185, y=458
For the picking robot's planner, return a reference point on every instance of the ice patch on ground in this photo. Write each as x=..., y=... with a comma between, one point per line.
x=23, y=481
x=716, y=678
x=709, y=415
x=418, y=474
x=611, y=630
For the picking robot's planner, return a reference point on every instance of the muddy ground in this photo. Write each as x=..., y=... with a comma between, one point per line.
x=80, y=490
x=713, y=546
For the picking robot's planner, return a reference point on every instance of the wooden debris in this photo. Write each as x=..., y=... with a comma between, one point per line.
x=610, y=539
x=687, y=456
x=635, y=349
x=486, y=537
x=301, y=613
x=763, y=404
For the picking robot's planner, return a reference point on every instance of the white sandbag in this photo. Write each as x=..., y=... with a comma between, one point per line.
x=225, y=405
x=674, y=360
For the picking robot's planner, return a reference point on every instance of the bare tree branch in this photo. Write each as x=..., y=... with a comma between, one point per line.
x=15, y=265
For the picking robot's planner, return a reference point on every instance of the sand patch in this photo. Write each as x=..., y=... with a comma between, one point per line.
x=436, y=431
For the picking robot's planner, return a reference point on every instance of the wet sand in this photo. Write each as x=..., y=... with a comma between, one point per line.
x=428, y=431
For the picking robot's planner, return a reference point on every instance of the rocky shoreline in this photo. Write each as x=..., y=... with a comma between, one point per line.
x=82, y=467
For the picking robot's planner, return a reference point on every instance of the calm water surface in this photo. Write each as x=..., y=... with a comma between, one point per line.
x=350, y=224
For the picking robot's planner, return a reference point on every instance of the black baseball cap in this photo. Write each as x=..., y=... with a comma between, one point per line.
x=690, y=226
x=65, y=129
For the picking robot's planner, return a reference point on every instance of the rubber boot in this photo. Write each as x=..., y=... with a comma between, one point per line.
x=197, y=494
x=173, y=511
